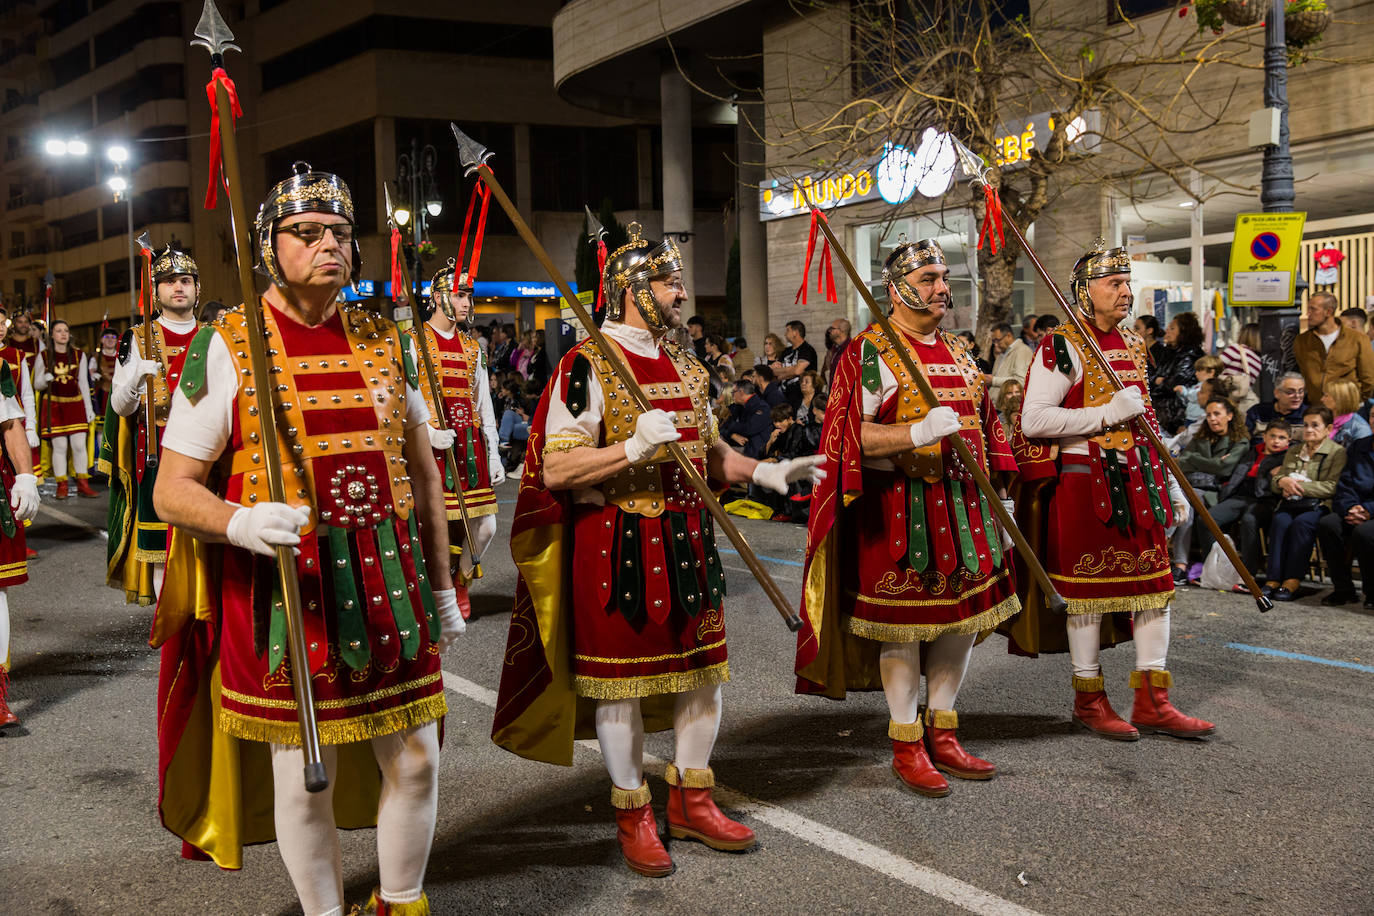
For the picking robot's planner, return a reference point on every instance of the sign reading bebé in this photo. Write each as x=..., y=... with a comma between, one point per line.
x=1264, y=258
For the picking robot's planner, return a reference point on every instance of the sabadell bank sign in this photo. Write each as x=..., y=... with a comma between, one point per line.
x=897, y=173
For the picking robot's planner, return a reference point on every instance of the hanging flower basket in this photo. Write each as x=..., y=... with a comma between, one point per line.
x=1301, y=28
x=1241, y=13
x=427, y=249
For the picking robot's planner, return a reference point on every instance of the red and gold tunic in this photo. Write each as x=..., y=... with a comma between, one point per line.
x=1108, y=509
x=907, y=549
x=14, y=569
x=62, y=409
x=370, y=626
x=106, y=367
x=621, y=588
x=458, y=361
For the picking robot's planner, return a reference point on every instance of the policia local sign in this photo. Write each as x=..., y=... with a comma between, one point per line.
x=897, y=173
x=1264, y=258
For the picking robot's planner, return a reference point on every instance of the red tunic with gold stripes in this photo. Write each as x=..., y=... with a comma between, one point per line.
x=345, y=403
x=906, y=549
x=621, y=588
x=463, y=379
x=62, y=410
x=1109, y=507
x=14, y=569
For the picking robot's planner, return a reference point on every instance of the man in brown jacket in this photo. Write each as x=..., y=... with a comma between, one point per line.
x=1328, y=351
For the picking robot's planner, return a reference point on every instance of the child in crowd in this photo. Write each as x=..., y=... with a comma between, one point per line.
x=1009, y=402
x=1206, y=368
x=1343, y=399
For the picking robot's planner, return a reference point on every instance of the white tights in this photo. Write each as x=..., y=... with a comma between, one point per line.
x=1151, y=635
x=309, y=841
x=620, y=732
x=5, y=628
x=483, y=530
x=78, y=452
x=900, y=665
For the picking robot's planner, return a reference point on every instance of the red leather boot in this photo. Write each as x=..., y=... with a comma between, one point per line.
x=7, y=718
x=946, y=751
x=1092, y=711
x=464, y=604
x=62, y=489
x=911, y=763
x=387, y=908
x=637, y=830
x=1153, y=711
x=83, y=488
x=693, y=815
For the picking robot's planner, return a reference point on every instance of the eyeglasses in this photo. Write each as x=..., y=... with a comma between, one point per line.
x=313, y=233
x=673, y=285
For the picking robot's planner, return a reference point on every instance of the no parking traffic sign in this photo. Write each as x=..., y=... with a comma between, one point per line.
x=1264, y=258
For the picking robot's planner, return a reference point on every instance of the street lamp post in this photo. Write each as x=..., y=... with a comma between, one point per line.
x=415, y=175
x=1276, y=180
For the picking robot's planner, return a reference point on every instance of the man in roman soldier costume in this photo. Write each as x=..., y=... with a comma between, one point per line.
x=377, y=602
x=64, y=411
x=1108, y=505
x=903, y=553
x=137, y=549
x=619, y=620
x=470, y=419
x=18, y=503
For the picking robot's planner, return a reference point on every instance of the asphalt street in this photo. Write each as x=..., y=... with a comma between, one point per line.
x=1273, y=815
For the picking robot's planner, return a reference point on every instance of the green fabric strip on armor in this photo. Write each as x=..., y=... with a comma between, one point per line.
x=6, y=381
x=148, y=540
x=276, y=629
x=353, y=644
x=990, y=530
x=1062, y=361
x=578, y=385
x=1151, y=487
x=685, y=581
x=7, y=523
x=408, y=361
x=417, y=557
x=917, y=540
x=1116, y=489
x=394, y=575
x=626, y=580
x=470, y=449
x=966, y=546
x=197, y=359
x=872, y=375
x=715, y=573
x=450, y=484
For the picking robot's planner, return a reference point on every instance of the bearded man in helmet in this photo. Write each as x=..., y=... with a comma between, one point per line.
x=1107, y=507
x=903, y=554
x=619, y=622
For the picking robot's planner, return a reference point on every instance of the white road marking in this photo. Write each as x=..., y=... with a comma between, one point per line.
x=922, y=878
x=69, y=519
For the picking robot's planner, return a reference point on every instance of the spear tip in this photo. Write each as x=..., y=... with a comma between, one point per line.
x=145, y=241
x=595, y=231
x=212, y=32
x=472, y=154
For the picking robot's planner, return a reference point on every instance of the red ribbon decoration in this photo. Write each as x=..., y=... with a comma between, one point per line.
x=825, y=271
x=397, y=280
x=992, y=219
x=217, y=77
x=467, y=225
x=144, y=277
x=600, y=275
x=806, y=271
x=481, y=232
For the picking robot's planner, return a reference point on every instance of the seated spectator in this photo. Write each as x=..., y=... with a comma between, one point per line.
x=971, y=345
x=1208, y=461
x=1009, y=402
x=812, y=386
x=1355, y=319
x=514, y=431
x=1342, y=397
x=813, y=426
x=1288, y=404
x=1246, y=501
x=718, y=359
x=788, y=440
x=1205, y=369
x=772, y=350
x=1305, y=486
x=769, y=389
x=1183, y=346
x=1349, y=527
x=749, y=425
x=741, y=355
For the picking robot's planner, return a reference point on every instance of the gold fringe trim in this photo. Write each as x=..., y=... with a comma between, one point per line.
x=905, y=731
x=1089, y=684
x=925, y=632
x=150, y=556
x=942, y=718
x=343, y=731
x=629, y=799
x=690, y=778
x=624, y=688
x=376, y=904
x=566, y=443
x=1157, y=678
x=1127, y=604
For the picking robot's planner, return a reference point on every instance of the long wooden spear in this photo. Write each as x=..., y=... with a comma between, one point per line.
x=213, y=34
x=150, y=459
x=973, y=169
x=436, y=389
x=474, y=159
x=961, y=449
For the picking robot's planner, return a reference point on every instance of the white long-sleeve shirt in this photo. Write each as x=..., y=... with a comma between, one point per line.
x=127, y=386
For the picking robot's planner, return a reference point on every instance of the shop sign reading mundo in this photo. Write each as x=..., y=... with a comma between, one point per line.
x=898, y=174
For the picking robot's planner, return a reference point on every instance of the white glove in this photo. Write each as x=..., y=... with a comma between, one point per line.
x=940, y=422
x=652, y=429
x=1177, y=501
x=32, y=437
x=48, y=377
x=1126, y=404
x=146, y=368
x=265, y=526
x=441, y=440
x=451, y=622
x=24, y=497
x=95, y=375
x=776, y=475
x=497, y=470
x=1007, y=542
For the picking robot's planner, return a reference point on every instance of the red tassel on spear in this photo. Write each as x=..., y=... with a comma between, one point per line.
x=825, y=273
x=216, y=77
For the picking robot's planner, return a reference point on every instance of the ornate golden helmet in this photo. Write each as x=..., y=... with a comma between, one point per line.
x=172, y=263
x=632, y=266
x=306, y=191
x=905, y=258
x=1099, y=261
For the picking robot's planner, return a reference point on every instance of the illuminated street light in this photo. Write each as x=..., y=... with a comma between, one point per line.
x=118, y=183
x=118, y=154
x=78, y=147
x=402, y=216
x=434, y=206
x=55, y=147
